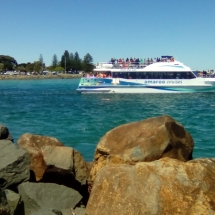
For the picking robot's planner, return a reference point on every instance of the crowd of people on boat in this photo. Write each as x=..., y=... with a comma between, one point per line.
x=97, y=75
x=139, y=61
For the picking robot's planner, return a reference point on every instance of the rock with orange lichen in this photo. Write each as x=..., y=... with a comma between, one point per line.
x=52, y=162
x=165, y=187
x=146, y=140
x=64, y=165
x=32, y=144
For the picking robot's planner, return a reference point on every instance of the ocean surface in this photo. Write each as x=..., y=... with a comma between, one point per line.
x=53, y=108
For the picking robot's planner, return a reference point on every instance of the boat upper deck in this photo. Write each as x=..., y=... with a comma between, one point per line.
x=133, y=62
x=165, y=63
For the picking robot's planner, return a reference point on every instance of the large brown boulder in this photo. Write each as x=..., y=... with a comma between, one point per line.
x=64, y=161
x=54, y=163
x=165, y=187
x=146, y=140
x=33, y=143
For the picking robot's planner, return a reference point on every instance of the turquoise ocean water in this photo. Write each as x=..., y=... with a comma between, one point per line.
x=53, y=108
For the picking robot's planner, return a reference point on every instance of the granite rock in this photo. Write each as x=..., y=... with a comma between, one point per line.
x=14, y=165
x=165, y=187
x=146, y=140
x=32, y=144
x=47, y=195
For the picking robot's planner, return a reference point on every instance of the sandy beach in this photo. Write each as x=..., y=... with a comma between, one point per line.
x=33, y=77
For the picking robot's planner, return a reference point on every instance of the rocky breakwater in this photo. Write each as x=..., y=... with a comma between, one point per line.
x=39, y=175
x=143, y=167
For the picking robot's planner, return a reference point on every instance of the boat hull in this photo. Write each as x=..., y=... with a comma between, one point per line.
x=110, y=85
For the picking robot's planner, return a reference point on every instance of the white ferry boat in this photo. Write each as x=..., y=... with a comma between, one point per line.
x=166, y=75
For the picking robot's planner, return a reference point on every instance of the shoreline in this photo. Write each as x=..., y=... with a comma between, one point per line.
x=39, y=77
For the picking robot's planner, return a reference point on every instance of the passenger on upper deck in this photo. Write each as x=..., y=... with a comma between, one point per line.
x=131, y=60
x=137, y=61
x=204, y=73
x=112, y=60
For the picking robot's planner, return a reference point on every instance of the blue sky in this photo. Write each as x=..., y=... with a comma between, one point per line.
x=109, y=28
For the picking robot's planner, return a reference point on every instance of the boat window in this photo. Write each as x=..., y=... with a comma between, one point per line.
x=170, y=75
x=178, y=75
x=154, y=75
x=192, y=75
x=132, y=75
x=196, y=73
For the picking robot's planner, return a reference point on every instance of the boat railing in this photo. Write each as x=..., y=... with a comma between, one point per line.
x=123, y=65
x=130, y=65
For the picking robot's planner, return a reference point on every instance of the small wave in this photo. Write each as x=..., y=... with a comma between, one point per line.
x=81, y=129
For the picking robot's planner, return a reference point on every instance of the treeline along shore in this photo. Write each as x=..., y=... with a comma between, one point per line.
x=143, y=167
x=69, y=63
x=35, y=77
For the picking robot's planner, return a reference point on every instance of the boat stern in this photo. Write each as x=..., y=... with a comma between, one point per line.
x=97, y=85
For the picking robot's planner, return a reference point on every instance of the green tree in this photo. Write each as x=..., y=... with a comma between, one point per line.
x=9, y=62
x=21, y=67
x=50, y=68
x=77, y=62
x=54, y=61
x=41, y=63
x=41, y=58
x=71, y=56
x=37, y=66
x=72, y=61
x=87, y=63
x=58, y=69
x=66, y=54
x=65, y=61
x=29, y=67
x=1, y=67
